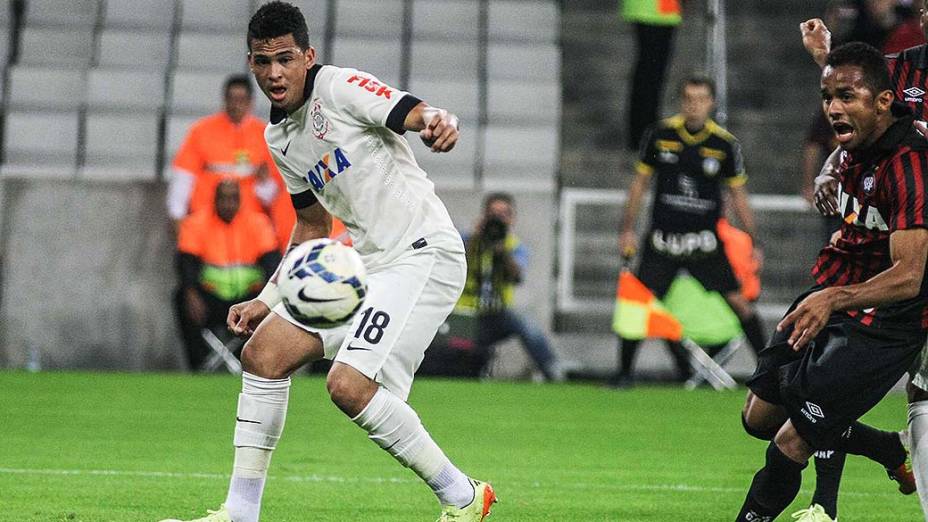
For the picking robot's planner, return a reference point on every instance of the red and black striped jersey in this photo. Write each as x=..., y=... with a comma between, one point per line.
x=882, y=190
x=908, y=72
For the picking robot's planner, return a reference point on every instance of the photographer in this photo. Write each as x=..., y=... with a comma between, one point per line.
x=495, y=264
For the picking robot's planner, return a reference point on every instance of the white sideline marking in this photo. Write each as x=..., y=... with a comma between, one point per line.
x=685, y=488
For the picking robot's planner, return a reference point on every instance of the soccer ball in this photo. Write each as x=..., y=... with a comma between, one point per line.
x=322, y=283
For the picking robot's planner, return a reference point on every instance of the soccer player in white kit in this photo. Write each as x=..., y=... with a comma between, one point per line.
x=335, y=135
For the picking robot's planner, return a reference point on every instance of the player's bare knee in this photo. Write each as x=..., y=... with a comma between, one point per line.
x=260, y=362
x=349, y=389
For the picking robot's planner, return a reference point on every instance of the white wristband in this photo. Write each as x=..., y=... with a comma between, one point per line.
x=269, y=295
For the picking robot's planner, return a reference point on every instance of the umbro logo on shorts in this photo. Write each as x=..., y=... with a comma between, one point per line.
x=814, y=409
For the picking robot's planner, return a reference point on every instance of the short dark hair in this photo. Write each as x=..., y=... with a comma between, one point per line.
x=275, y=19
x=493, y=197
x=698, y=80
x=237, y=80
x=870, y=61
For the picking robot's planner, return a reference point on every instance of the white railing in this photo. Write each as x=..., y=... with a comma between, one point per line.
x=571, y=199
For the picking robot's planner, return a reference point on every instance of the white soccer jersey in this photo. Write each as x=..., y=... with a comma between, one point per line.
x=344, y=148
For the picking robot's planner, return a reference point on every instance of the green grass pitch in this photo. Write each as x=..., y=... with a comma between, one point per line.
x=141, y=447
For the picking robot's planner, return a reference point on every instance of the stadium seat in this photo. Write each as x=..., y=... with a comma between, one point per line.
x=212, y=52
x=378, y=57
x=519, y=20
x=121, y=146
x=59, y=46
x=525, y=62
x=220, y=16
x=521, y=154
x=517, y=102
x=431, y=59
x=316, y=14
x=4, y=46
x=197, y=94
x=139, y=14
x=40, y=143
x=452, y=20
x=453, y=169
x=134, y=49
x=6, y=13
x=72, y=13
x=45, y=88
x=109, y=90
x=459, y=97
x=369, y=19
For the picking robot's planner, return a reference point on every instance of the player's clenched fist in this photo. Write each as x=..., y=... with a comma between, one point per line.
x=244, y=317
x=441, y=129
x=816, y=38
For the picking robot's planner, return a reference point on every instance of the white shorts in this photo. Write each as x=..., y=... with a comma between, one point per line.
x=406, y=302
x=920, y=371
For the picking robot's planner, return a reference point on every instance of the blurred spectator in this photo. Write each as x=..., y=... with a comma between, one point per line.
x=689, y=159
x=891, y=25
x=225, y=255
x=907, y=32
x=655, y=22
x=230, y=143
x=496, y=262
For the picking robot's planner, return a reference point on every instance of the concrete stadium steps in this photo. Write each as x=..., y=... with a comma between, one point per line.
x=772, y=86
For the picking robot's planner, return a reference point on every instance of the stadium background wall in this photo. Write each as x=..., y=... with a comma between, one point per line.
x=86, y=273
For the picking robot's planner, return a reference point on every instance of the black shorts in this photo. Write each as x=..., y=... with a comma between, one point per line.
x=842, y=374
x=713, y=271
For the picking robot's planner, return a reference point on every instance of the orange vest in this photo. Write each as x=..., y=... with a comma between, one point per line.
x=216, y=148
x=229, y=251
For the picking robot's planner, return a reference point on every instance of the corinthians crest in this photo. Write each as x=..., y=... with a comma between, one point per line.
x=321, y=125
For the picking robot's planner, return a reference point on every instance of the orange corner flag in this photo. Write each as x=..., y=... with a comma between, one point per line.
x=639, y=315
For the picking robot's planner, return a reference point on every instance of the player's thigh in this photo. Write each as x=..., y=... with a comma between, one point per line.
x=762, y=415
x=435, y=304
x=278, y=348
x=404, y=308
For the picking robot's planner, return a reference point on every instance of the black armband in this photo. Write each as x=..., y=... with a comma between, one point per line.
x=396, y=121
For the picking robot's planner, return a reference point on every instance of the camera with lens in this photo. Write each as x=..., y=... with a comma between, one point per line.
x=494, y=230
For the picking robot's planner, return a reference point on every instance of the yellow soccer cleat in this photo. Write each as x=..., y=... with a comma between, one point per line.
x=477, y=510
x=220, y=515
x=814, y=513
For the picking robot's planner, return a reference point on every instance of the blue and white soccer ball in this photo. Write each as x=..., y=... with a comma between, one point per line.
x=322, y=283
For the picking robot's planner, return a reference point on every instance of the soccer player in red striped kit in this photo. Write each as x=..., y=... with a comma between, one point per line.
x=848, y=340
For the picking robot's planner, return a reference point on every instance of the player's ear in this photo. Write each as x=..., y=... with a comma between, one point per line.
x=884, y=101
x=310, y=54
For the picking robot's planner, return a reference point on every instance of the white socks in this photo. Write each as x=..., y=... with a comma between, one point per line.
x=259, y=422
x=395, y=427
x=918, y=433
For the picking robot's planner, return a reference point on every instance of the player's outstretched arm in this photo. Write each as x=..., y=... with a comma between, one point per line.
x=816, y=38
x=437, y=128
x=312, y=222
x=908, y=251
